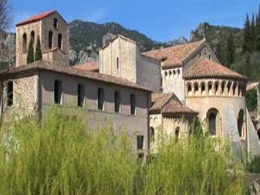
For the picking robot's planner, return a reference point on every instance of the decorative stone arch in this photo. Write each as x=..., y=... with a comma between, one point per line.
x=24, y=41
x=223, y=84
x=203, y=88
x=189, y=88
x=196, y=88
x=216, y=87
x=32, y=36
x=152, y=134
x=210, y=88
x=214, y=121
x=240, y=122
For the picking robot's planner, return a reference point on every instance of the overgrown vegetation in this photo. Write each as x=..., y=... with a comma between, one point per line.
x=61, y=155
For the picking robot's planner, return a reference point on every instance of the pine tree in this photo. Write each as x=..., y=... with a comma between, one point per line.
x=38, y=51
x=247, y=40
x=30, y=56
x=230, y=51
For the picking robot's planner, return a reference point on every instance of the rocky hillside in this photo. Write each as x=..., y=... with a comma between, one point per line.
x=87, y=37
x=218, y=34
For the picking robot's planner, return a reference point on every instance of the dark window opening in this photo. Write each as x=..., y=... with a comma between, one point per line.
x=10, y=93
x=177, y=132
x=50, y=39
x=60, y=40
x=80, y=95
x=203, y=88
x=33, y=36
x=189, y=88
x=117, y=63
x=216, y=87
x=140, y=142
x=101, y=99
x=117, y=101
x=133, y=104
x=152, y=134
x=240, y=122
x=212, y=123
x=57, y=91
x=210, y=86
x=24, y=43
x=258, y=133
x=223, y=87
x=55, y=23
x=196, y=87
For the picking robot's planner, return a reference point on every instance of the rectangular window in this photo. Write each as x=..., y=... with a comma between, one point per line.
x=57, y=91
x=101, y=99
x=117, y=63
x=133, y=104
x=9, y=92
x=117, y=101
x=140, y=142
x=81, y=95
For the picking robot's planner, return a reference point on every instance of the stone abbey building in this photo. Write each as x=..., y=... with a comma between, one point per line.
x=148, y=93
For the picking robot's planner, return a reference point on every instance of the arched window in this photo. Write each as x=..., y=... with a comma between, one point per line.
x=33, y=36
x=210, y=88
x=60, y=40
x=203, y=89
x=178, y=72
x=177, y=132
x=234, y=89
x=174, y=72
x=24, y=43
x=50, y=37
x=228, y=88
x=223, y=88
x=55, y=23
x=189, y=89
x=170, y=73
x=196, y=88
x=240, y=122
x=216, y=88
x=165, y=73
x=212, y=117
x=152, y=138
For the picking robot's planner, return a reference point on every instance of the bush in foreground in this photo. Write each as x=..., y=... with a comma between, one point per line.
x=60, y=155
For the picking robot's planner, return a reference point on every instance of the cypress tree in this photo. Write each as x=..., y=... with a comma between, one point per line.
x=38, y=51
x=253, y=33
x=230, y=52
x=247, y=47
x=30, y=56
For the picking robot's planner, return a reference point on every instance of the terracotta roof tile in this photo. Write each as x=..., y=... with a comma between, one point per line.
x=252, y=85
x=208, y=68
x=89, y=66
x=175, y=55
x=30, y=69
x=168, y=103
x=36, y=18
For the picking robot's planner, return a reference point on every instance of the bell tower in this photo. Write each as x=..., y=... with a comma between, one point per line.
x=52, y=31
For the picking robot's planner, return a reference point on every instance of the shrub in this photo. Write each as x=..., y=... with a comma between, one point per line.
x=60, y=155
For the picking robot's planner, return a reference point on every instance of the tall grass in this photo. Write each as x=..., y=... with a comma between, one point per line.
x=60, y=155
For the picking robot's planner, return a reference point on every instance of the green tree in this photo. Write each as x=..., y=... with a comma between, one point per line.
x=230, y=51
x=258, y=31
x=247, y=39
x=38, y=51
x=30, y=56
x=253, y=33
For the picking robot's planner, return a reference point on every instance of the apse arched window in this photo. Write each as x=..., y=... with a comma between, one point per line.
x=203, y=88
x=212, y=117
x=240, y=121
x=60, y=40
x=50, y=37
x=55, y=23
x=234, y=89
x=24, y=43
x=210, y=88
x=196, y=88
x=152, y=134
x=228, y=88
x=223, y=87
x=189, y=88
x=216, y=87
x=32, y=36
x=177, y=132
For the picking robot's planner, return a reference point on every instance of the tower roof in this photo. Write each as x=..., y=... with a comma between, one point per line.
x=37, y=17
x=207, y=68
x=175, y=55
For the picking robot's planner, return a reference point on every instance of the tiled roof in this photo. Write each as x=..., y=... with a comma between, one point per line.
x=168, y=103
x=30, y=69
x=175, y=55
x=89, y=66
x=208, y=68
x=36, y=18
x=251, y=85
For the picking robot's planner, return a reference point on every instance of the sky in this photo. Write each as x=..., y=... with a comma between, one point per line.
x=161, y=20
